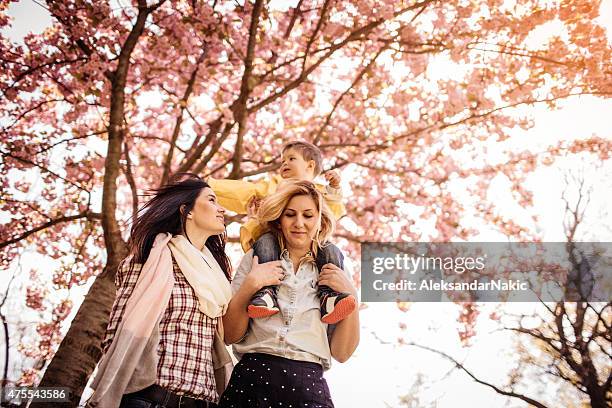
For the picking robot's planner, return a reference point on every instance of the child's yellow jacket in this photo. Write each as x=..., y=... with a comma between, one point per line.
x=235, y=195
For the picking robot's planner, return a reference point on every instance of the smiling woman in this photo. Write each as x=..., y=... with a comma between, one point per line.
x=205, y=218
x=282, y=357
x=172, y=291
x=298, y=222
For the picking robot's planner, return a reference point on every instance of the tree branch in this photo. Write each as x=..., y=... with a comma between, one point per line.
x=115, y=246
x=312, y=38
x=517, y=54
x=239, y=107
x=32, y=70
x=30, y=110
x=51, y=146
x=444, y=125
x=179, y=119
x=44, y=169
x=357, y=79
x=214, y=148
x=478, y=380
x=130, y=178
x=538, y=335
x=294, y=16
x=216, y=169
x=262, y=169
x=196, y=152
x=87, y=215
x=353, y=36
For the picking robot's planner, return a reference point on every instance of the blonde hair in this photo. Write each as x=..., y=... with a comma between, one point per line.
x=273, y=206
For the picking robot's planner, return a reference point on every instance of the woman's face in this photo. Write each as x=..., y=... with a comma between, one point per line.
x=207, y=214
x=299, y=222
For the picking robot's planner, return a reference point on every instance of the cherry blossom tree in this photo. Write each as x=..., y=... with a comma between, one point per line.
x=406, y=96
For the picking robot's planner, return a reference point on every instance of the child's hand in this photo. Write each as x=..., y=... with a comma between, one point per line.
x=333, y=178
x=265, y=274
x=336, y=279
x=253, y=206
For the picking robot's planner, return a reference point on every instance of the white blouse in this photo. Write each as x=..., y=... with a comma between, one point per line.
x=296, y=332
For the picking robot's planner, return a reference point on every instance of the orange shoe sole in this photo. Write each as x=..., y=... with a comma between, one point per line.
x=257, y=312
x=344, y=308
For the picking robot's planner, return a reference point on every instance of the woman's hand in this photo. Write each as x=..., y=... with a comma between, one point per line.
x=236, y=320
x=265, y=274
x=336, y=279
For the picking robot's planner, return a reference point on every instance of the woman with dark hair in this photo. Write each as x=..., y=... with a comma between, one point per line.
x=282, y=357
x=164, y=338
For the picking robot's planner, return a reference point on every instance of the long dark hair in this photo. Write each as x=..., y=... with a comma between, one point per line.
x=167, y=211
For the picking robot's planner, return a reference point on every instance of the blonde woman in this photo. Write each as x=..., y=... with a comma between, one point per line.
x=282, y=357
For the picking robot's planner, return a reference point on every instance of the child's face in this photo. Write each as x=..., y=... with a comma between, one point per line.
x=294, y=166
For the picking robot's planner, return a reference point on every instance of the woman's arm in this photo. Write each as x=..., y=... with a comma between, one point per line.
x=236, y=319
x=250, y=277
x=345, y=338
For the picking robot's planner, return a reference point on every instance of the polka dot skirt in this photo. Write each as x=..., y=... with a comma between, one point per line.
x=263, y=381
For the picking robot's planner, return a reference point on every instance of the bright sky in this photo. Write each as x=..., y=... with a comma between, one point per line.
x=381, y=371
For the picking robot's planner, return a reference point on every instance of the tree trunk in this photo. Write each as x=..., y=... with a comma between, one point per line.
x=597, y=395
x=80, y=350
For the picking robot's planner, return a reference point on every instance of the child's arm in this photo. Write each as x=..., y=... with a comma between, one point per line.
x=333, y=194
x=234, y=195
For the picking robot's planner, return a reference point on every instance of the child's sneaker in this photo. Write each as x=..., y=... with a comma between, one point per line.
x=263, y=303
x=335, y=306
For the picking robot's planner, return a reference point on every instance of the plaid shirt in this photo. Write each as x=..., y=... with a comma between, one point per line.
x=185, y=364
